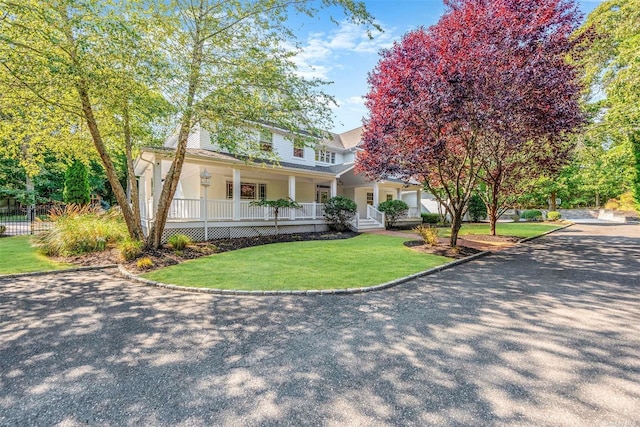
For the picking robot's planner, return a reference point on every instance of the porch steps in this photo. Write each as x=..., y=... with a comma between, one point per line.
x=367, y=224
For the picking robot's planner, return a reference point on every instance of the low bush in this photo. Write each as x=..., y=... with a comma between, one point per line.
x=430, y=218
x=393, y=210
x=553, y=216
x=339, y=212
x=179, y=241
x=532, y=215
x=515, y=217
x=3, y=229
x=144, y=263
x=81, y=229
x=428, y=234
x=130, y=249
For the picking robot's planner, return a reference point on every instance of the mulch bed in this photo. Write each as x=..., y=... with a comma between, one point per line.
x=166, y=256
x=442, y=249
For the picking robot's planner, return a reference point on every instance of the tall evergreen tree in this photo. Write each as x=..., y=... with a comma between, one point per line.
x=76, y=184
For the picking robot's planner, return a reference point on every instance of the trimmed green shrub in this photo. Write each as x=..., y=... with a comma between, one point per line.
x=428, y=234
x=532, y=215
x=553, y=216
x=130, y=249
x=3, y=229
x=339, y=211
x=477, y=208
x=393, y=211
x=81, y=229
x=76, y=184
x=430, y=218
x=179, y=241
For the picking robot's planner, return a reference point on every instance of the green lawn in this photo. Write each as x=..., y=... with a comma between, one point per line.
x=365, y=260
x=18, y=256
x=519, y=229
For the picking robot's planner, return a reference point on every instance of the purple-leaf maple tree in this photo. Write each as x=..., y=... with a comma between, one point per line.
x=489, y=74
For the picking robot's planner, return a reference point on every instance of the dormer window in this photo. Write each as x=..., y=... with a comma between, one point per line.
x=325, y=156
x=298, y=152
x=266, y=140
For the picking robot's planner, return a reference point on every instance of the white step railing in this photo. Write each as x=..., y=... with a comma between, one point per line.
x=376, y=215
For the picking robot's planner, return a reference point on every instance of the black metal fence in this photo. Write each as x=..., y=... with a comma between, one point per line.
x=17, y=221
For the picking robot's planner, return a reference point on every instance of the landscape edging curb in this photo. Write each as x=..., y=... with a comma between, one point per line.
x=345, y=291
x=66, y=270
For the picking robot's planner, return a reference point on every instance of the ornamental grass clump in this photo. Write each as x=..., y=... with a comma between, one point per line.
x=80, y=229
x=179, y=241
x=428, y=234
x=130, y=249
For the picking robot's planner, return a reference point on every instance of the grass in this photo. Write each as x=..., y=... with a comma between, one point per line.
x=18, y=256
x=519, y=229
x=365, y=260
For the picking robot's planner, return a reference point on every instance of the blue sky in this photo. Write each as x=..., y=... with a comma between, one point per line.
x=343, y=54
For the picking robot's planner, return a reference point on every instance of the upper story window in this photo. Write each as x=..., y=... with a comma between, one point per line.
x=325, y=156
x=266, y=140
x=298, y=152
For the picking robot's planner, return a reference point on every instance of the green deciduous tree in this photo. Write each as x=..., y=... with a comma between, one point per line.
x=276, y=206
x=613, y=77
x=123, y=66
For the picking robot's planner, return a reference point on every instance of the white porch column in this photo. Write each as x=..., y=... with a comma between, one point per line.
x=142, y=196
x=236, y=194
x=419, y=201
x=292, y=195
x=334, y=187
x=157, y=184
x=376, y=195
x=399, y=193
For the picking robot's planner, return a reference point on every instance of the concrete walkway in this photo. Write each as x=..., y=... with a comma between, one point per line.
x=546, y=333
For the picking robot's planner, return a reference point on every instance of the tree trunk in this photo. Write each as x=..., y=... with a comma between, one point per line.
x=154, y=239
x=456, y=224
x=131, y=176
x=493, y=219
x=597, y=199
x=133, y=224
x=552, y=201
x=134, y=227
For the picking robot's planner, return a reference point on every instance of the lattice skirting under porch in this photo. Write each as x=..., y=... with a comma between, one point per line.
x=197, y=233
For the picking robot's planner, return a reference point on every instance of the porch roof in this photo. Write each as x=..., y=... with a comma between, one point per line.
x=193, y=153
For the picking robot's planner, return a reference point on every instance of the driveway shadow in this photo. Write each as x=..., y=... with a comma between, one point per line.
x=546, y=333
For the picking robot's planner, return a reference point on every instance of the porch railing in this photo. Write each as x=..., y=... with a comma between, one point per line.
x=375, y=214
x=224, y=210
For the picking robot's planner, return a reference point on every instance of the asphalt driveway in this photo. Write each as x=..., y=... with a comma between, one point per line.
x=546, y=333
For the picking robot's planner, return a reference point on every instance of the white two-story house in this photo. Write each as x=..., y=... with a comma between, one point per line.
x=216, y=188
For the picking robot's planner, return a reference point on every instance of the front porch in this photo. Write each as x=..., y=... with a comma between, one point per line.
x=222, y=206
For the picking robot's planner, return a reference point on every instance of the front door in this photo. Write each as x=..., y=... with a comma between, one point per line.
x=322, y=194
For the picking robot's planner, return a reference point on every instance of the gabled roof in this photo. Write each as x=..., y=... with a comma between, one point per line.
x=345, y=140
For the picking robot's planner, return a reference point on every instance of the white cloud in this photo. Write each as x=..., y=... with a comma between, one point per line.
x=322, y=52
x=354, y=100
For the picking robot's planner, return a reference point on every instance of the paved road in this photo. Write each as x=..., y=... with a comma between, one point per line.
x=547, y=333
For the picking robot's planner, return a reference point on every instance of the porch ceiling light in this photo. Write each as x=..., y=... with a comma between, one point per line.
x=205, y=178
